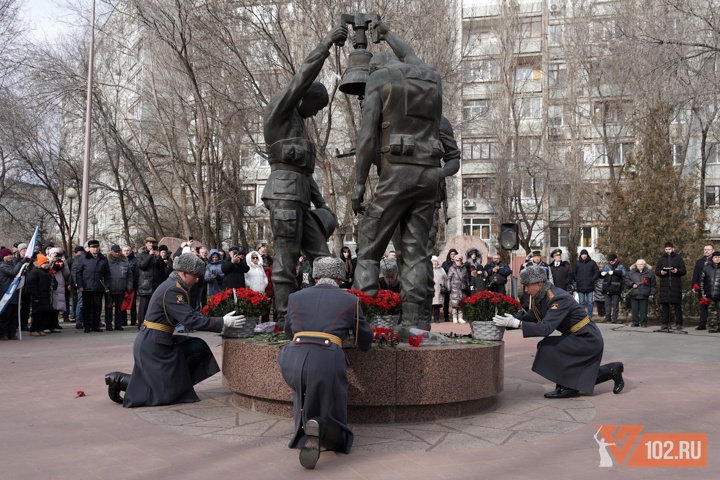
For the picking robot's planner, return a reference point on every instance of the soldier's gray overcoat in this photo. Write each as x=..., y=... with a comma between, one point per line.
x=316, y=371
x=570, y=360
x=161, y=375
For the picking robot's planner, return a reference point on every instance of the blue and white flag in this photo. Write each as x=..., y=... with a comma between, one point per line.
x=16, y=281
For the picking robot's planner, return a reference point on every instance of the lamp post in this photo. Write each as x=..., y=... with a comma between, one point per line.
x=72, y=194
x=94, y=222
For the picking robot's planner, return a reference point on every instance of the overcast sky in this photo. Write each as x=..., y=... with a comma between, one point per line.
x=45, y=18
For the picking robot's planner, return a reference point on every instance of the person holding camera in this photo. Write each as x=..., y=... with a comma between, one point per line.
x=670, y=268
x=612, y=274
x=235, y=268
x=152, y=270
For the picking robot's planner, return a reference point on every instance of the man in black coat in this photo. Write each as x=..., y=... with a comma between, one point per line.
x=235, y=269
x=571, y=360
x=151, y=272
x=562, y=272
x=497, y=273
x=586, y=271
x=670, y=268
x=93, y=280
x=700, y=264
x=314, y=364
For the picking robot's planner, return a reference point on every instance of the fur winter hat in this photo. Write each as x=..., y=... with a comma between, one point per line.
x=189, y=263
x=388, y=267
x=533, y=274
x=329, y=267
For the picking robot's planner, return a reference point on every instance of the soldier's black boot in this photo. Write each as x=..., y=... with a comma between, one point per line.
x=117, y=382
x=612, y=371
x=310, y=451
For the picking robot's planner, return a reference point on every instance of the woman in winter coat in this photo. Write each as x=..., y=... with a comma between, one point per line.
x=41, y=284
x=346, y=257
x=255, y=277
x=710, y=289
x=642, y=282
x=439, y=276
x=61, y=272
x=475, y=269
x=456, y=282
x=213, y=273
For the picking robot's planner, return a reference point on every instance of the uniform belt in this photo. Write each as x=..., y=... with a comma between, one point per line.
x=328, y=337
x=274, y=167
x=578, y=325
x=158, y=326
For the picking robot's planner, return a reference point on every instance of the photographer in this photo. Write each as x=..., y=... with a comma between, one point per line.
x=151, y=267
x=235, y=269
x=669, y=269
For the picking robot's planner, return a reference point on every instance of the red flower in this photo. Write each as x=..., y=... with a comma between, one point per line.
x=704, y=301
x=696, y=287
x=415, y=341
x=79, y=393
x=206, y=310
x=644, y=281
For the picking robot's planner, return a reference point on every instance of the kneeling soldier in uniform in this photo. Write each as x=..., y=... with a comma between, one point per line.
x=572, y=360
x=314, y=364
x=166, y=365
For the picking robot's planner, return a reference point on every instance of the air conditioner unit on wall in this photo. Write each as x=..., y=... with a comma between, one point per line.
x=469, y=204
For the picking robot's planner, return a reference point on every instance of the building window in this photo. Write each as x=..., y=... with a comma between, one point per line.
x=555, y=35
x=479, y=149
x=473, y=109
x=678, y=153
x=712, y=153
x=712, y=195
x=619, y=153
x=482, y=187
x=682, y=113
x=612, y=111
x=530, y=27
x=586, y=237
x=248, y=194
x=559, y=236
x=483, y=71
x=555, y=115
x=557, y=74
x=526, y=73
x=529, y=107
x=478, y=227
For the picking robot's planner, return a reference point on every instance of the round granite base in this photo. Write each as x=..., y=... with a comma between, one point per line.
x=401, y=385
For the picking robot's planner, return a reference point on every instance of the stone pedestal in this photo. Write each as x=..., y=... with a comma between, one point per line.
x=409, y=384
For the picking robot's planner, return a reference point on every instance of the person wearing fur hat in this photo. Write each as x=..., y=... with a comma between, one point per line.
x=167, y=366
x=314, y=365
x=571, y=360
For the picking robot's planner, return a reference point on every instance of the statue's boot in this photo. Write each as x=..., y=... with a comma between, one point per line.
x=117, y=382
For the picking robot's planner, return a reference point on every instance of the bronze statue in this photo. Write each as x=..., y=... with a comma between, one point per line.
x=401, y=122
x=291, y=189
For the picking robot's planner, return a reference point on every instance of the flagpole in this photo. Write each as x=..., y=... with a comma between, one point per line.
x=88, y=131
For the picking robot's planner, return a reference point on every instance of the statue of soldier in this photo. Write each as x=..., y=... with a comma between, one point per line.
x=291, y=189
x=401, y=121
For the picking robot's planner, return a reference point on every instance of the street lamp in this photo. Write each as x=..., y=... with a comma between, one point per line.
x=72, y=194
x=94, y=222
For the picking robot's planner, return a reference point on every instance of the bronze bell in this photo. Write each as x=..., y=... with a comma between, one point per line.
x=356, y=75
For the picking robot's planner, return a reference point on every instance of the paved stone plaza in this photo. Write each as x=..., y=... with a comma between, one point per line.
x=671, y=386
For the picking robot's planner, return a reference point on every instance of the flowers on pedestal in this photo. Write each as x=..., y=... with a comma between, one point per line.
x=385, y=337
x=241, y=300
x=484, y=305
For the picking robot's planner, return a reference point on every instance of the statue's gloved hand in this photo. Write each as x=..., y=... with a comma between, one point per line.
x=233, y=321
x=506, y=320
x=337, y=36
x=357, y=199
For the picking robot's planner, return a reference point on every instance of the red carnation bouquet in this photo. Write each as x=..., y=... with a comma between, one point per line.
x=241, y=300
x=385, y=337
x=386, y=302
x=485, y=304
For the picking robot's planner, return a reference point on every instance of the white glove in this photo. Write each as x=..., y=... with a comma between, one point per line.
x=602, y=274
x=233, y=321
x=610, y=272
x=506, y=320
